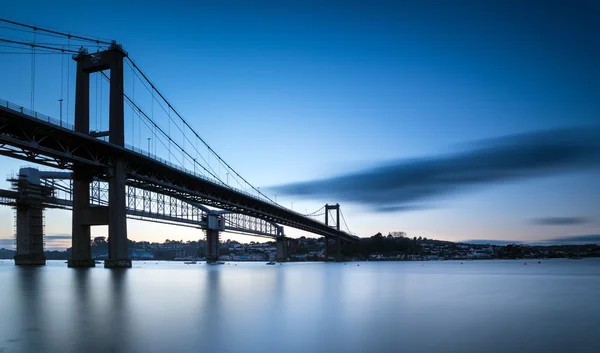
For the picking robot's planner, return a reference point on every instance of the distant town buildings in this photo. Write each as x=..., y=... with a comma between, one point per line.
x=396, y=246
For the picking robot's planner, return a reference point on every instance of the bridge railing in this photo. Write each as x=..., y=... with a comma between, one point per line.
x=34, y=114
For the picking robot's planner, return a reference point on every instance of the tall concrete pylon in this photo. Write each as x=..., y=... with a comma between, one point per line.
x=114, y=215
x=338, y=240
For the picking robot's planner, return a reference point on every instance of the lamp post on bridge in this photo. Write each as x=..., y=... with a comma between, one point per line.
x=60, y=102
x=227, y=178
x=149, y=138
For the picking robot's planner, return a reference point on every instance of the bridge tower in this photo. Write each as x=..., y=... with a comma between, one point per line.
x=281, y=246
x=215, y=224
x=338, y=240
x=30, y=217
x=114, y=215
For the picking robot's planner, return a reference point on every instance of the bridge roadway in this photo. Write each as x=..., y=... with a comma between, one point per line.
x=40, y=139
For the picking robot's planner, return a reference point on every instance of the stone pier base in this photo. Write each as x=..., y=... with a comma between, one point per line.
x=30, y=260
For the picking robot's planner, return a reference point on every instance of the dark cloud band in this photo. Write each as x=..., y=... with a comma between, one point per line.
x=560, y=221
x=406, y=184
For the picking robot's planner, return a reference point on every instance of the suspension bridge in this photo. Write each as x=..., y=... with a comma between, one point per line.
x=125, y=151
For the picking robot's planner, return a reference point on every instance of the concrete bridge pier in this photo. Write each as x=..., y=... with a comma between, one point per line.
x=81, y=255
x=337, y=250
x=212, y=245
x=215, y=224
x=118, y=253
x=281, y=254
x=30, y=218
x=118, y=256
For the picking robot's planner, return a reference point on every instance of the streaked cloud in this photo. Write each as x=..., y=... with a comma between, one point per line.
x=58, y=237
x=560, y=221
x=58, y=241
x=566, y=240
x=7, y=243
x=491, y=242
x=577, y=239
x=415, y=183
x=52, y=242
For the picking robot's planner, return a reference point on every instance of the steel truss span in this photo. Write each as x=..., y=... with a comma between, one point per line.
x=148, y=205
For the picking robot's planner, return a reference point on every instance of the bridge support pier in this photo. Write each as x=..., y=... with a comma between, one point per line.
x=338, y=249
x=81, y=255
x=30, y=219
x=212, y=245
x=118, y=254
x=281, y=254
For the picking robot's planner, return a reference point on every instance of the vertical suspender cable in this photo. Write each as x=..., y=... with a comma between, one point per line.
x=33, y=71
x=169, y=132
x=140, y=132
x=68, y=79
x=101, y=105
x=153, y=141
x=133, y=111
x=96, y=104
x=62, y=74
x=62, y=86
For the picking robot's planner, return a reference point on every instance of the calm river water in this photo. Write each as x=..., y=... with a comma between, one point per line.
x=476, y=306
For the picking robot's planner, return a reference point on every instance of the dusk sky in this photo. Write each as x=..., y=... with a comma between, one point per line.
x=452, y=120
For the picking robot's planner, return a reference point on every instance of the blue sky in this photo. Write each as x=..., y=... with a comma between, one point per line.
x=294, y=91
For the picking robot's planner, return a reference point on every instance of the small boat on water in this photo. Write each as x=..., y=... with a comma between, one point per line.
x=190, y=262
x=271, y=263
x=98, y=262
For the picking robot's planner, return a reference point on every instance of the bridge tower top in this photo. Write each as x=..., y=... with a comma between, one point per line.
x=335, y=208
x=111, y=59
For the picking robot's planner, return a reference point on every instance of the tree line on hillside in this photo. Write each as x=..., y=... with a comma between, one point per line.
x=394, y=243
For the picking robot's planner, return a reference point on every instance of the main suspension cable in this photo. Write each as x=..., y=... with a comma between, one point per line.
x=55, y=32
x=192, y=130
x=140, y=111
x=38, y=45
x=344, y=219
